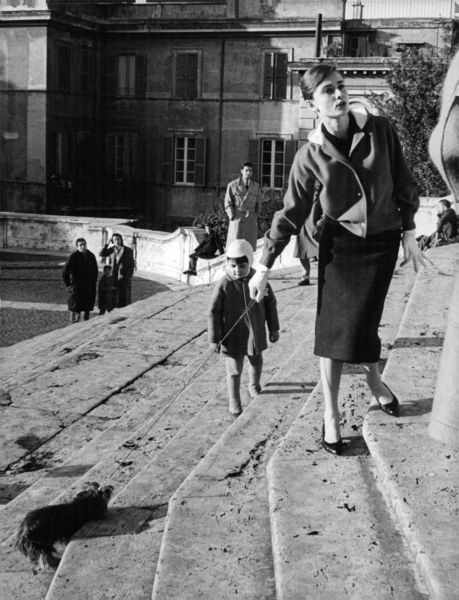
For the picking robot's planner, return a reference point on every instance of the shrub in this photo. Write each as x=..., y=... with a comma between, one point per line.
x=413, y=105
x=217, y=217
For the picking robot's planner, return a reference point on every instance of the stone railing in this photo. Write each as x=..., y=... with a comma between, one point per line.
x=156, y=252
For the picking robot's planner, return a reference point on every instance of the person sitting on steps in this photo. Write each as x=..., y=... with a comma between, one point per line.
x=206, y=249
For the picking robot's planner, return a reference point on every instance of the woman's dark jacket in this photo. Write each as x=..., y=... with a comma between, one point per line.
x=123, y=266
x=80, y=276
x=368, y=192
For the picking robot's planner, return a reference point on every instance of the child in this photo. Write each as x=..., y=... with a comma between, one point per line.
x=248, y=337
x=107, y=294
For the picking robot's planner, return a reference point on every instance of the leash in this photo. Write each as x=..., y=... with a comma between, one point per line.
x=133, y=445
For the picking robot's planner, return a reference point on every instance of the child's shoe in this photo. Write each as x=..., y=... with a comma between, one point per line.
x=254, y=390
x=235, y=408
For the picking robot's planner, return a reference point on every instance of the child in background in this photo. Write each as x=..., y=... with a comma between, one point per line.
x=230, y=299
x=107, y=293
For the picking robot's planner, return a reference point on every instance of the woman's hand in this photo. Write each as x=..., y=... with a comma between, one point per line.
x=411, y=251
x=257, y=284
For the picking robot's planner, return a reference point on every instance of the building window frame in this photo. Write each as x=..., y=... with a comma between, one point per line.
x=184, y=160
x=63, y=67
x=187, y=74
x=275, y=74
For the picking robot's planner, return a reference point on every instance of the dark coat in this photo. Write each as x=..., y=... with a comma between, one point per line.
x=208, y=247
x=230, y=298
x=80, y=276
x=123, y=269
x=107, y=294
x=447, y=226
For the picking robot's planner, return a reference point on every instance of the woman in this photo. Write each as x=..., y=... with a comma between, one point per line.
x=80, y=276
x=242, y=205
x=121, y=259
x=368, y=197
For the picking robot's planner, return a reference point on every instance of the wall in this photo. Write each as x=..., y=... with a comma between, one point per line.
x=156, y=252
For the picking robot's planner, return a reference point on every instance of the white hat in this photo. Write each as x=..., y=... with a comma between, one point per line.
x=239, y=248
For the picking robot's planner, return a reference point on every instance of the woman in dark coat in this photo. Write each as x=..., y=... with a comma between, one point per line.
x=121, y=259
x=80, y=276
x=368, y=197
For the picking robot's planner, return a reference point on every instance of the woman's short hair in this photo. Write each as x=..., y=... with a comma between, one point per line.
x=79, y=241
x=247, y=163
x=446, y=203
x=119, y=236
x=314, y=77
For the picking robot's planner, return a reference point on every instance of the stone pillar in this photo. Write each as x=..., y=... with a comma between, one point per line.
x=444, y=151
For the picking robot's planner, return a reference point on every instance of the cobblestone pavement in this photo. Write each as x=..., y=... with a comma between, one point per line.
x=34, y=297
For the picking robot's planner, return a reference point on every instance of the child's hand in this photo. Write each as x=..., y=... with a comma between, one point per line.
x=273, y=336
x=214, y=347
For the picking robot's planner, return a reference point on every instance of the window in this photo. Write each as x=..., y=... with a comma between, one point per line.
x=63, y=153
x=63, y=68
x=358, y=45
x=125, y=75
x=86, y=72
x=275, y=76
x=184, y=160
x=272, y=159
x=272, y=163
x=186, y=75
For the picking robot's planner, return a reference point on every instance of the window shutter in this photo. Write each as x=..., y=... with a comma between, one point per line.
x=254, y=154
x=280, y=80
x=140, y=74
x=167, y=159
x=289, y=155
x=180, y=75
x=267, y=75
x=111, y=67
x=192, y=76
x=200, y=165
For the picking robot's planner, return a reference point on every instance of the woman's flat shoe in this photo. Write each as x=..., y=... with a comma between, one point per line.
x=332, y=447
x=391, y=408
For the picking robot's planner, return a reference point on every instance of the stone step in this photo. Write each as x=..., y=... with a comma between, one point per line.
x=332, y=534
x=418, y=474
x=131, y=439
x=217, y=529
x=132, y=535
x=135, y=518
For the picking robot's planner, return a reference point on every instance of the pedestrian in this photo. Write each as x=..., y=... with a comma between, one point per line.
x=207, y=248
x=107, y=294
x=369, y=200
x=121, y=259
x=80, y=276
x=446, y=231
x=238, y=337
x=243, y=205
x=307, y=241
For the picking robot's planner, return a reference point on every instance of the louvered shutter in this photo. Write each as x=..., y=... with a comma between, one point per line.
x=254, y=157
x=268, y=76
x=111, y=64
x=289, y=155
x=167, y=159
x=140, y=74
x=200, y=165
x=280, y=79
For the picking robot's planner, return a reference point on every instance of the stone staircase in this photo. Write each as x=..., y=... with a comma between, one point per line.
x=204, y=507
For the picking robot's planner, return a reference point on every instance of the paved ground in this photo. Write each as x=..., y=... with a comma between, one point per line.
x=34, y=297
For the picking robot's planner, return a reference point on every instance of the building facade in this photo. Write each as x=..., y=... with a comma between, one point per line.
x=147, y=109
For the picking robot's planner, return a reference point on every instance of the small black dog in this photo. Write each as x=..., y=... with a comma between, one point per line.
x=44, y=527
